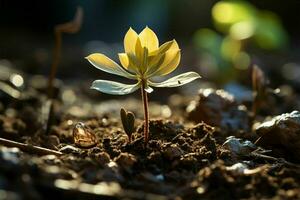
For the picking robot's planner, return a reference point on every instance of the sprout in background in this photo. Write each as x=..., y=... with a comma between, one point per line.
x=143, y=59
x=259, y=87
x=71, y=27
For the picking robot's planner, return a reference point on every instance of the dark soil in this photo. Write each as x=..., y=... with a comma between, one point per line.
x=184, y=159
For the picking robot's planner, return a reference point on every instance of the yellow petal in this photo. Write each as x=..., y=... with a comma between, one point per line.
x=165, y=47
x=124, y=60
x=149, y=39
x=128, y=61
x=139, y=51
x=171, y=45
x=141, y=54
x=130, y=40
x=105, y=64
x=154, y=63
x=157, y=55
x=170, y=63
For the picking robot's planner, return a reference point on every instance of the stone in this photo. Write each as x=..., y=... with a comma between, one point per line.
x=218, y=108
x=83, y=136
x=126, y=160
x=172, y=152
x=239, y=147
x=281, y=134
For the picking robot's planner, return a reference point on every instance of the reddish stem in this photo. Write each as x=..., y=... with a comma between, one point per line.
x=56, y=58
x=146, y=112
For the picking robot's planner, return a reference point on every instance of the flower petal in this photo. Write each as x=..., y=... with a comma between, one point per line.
x=130, y=40
x=102, y=62
x=165, y=47
x=139, y=52
x=149, y=39
x=169, y=64
x=177, y=80
x=115, y=88
x=157, y=57
x=148, y=89
x=129, y=62
x=154, y=64
x=124, y=60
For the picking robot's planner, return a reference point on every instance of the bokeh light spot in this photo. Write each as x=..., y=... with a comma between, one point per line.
x=291, y=71
x=242, y=61
x=227, y=13
x=230, y=48
x=17, y=80
x=223, y=12
x=242, y=30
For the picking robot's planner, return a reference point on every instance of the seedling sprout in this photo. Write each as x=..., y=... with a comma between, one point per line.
x=143, y=59
x=259, y=86
x=127, y=119
x=71, y=27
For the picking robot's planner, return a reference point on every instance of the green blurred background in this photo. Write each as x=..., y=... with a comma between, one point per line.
x=221, y=40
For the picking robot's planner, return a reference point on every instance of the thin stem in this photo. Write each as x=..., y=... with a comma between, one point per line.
x=56, y=58
x=255, y=105
x=55, y=62
x=129, y=139
x=146, y=112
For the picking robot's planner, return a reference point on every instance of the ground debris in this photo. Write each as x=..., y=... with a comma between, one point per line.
x=239, y=147
x=282, y=135
x=218, y=108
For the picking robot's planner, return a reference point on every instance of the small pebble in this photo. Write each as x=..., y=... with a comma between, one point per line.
x=126, y=160
x=238, y=147
x=172, y=152
x=83, y=136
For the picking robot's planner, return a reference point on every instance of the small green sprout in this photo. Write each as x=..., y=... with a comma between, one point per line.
x=127, y=119
x=143, y=59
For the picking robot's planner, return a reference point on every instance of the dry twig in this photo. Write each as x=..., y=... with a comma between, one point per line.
x=29, y=148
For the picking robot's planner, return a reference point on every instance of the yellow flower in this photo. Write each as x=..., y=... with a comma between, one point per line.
x=143, y=59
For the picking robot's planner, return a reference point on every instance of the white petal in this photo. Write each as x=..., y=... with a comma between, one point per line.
x=148, y=89
x=177, y=80
x=115, y=88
